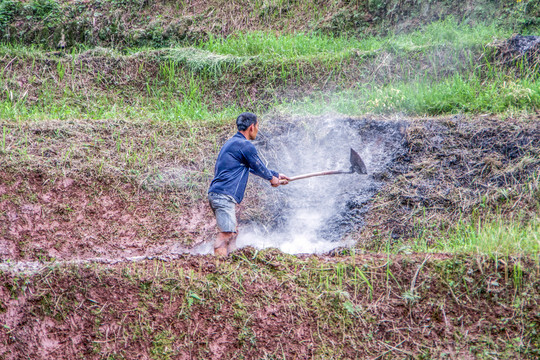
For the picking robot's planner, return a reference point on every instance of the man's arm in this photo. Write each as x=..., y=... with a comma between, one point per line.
x=257, y=167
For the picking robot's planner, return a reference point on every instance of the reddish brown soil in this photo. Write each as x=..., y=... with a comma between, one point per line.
x=64, y=218
x=254, y=305
x=277, y=308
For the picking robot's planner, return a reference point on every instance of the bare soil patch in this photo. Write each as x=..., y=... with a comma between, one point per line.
x=63, y=218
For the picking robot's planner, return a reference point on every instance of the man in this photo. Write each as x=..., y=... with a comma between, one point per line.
x=237, y=158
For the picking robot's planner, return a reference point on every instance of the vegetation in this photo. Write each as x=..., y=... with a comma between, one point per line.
x=112, y=113
x=436, y=68
x=343, y=307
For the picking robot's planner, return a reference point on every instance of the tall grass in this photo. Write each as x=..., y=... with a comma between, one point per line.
x=273, y=45
x=449, y=33
x=184, y=110
x=496, y=237
x=460, y=93
x=194, y=102
x=269, y=44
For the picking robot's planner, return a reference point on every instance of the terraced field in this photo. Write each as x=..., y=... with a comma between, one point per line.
x=111, y=117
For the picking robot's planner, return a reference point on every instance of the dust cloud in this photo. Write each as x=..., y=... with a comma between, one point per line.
x=316, y=215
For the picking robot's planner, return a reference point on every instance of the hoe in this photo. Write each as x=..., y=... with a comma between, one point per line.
x=357, y=166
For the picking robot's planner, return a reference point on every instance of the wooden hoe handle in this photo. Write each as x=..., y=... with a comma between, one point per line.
x=320, y=173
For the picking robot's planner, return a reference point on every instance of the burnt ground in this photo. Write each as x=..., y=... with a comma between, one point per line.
x=424, y=177
x=457, y=170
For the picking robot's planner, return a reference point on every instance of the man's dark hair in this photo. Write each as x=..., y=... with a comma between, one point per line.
x=245, y=120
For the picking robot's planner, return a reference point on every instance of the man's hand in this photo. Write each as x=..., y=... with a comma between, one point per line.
x=283, y=180
x=274, y=181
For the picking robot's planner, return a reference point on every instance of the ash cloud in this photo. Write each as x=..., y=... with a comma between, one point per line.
x=316, y=215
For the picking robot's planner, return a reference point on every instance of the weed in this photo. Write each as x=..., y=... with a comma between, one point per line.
x=517, y=276
x=8, y=10
x=359, y=272
x=61, y=70
x=499, y=236
x=5, y=133
x=163, y=346
x=410, y=297
x=192, y=298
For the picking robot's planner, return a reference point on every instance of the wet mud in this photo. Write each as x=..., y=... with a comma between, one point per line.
x=63, y=219
x=266, y=305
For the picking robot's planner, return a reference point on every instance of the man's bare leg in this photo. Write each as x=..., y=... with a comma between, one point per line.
x=232, y=244
x=222, y=243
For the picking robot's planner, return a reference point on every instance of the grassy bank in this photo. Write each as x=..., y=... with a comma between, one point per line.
x=343, y=307
x=495, y=238
x=429, y=72
x=471, y=94
x=159, y=24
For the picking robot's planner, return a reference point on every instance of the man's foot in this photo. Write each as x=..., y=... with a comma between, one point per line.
x=223, y=242
x=220, y=251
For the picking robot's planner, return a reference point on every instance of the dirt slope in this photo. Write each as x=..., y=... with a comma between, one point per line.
x=267, y=305
x=73, y=190
x=77, y=190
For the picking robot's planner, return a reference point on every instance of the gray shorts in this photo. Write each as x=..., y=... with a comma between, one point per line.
x=224, y=207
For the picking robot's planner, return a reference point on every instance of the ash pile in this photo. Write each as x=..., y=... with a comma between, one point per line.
x=518, y=48
x=315, y=215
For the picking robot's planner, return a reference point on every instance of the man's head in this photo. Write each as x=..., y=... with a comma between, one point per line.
x=247, y=124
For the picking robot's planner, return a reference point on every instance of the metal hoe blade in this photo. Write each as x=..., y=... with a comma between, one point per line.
x=357, y=165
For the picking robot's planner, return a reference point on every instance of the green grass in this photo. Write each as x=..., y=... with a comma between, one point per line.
x=191, y=107
x=273, y=46
x=501, y=237
x=448, y=33
x=457, y=94
x=432, y=72
x=218, y=54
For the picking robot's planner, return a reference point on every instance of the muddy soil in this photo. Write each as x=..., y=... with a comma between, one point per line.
x=265, y=305
x=424, y=174
x=61, y=219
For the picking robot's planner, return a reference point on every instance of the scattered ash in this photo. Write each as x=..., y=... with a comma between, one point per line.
x=176, y=179
x=315, y=215
x=456, y=169
x=523, y=44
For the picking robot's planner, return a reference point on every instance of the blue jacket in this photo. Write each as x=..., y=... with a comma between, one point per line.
x=237, y=158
